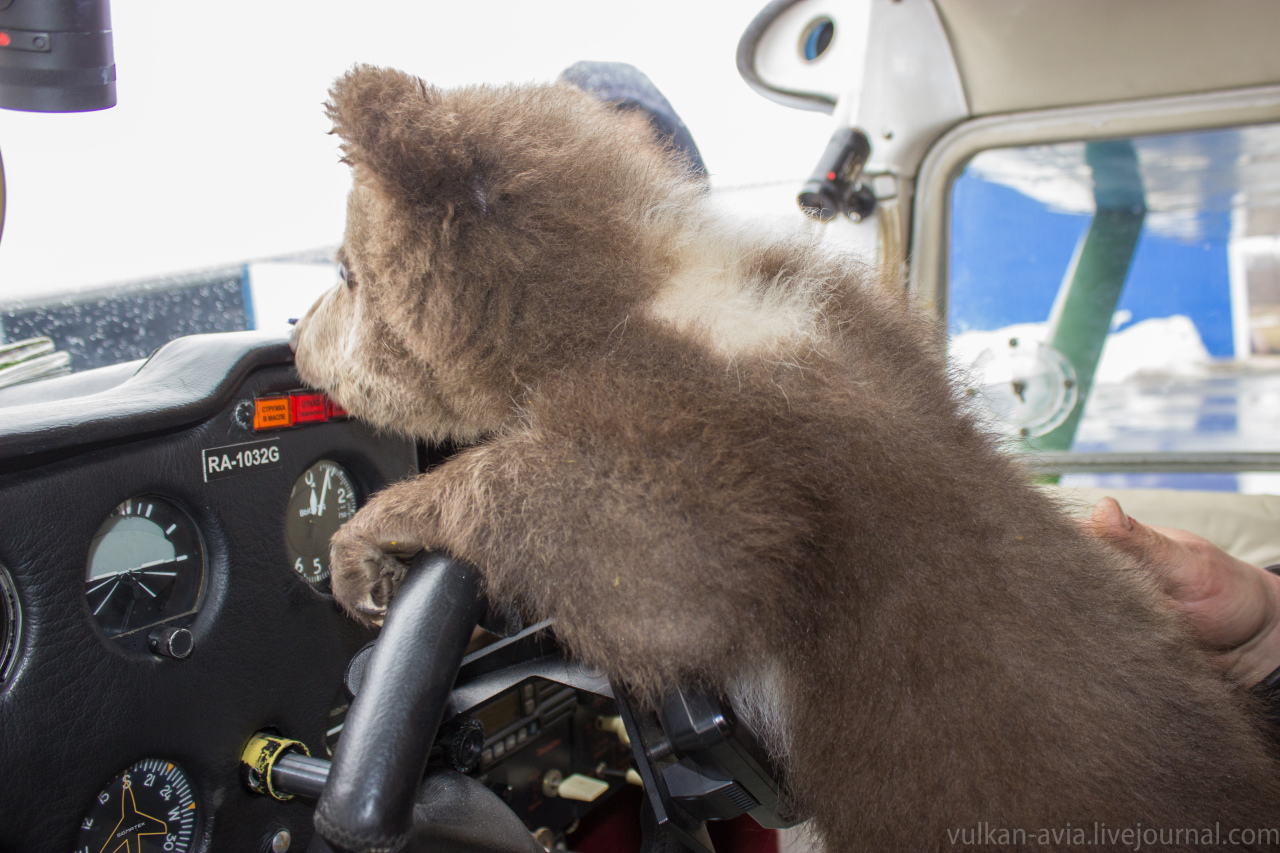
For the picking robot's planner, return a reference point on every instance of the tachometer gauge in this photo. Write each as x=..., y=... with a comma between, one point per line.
x=146, y=565
x=323, y=498
x=149, y=807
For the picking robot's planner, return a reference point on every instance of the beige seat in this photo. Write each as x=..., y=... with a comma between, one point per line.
x=1246, y=526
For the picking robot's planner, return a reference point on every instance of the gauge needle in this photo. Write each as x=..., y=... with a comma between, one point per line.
x=91, y=590
x=324, y=490
x=144, y=569
x=106, y=597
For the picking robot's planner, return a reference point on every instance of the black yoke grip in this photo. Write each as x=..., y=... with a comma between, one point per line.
x=367, y=803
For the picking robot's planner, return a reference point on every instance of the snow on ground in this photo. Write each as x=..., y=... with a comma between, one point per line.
x=1158, y=390
x=1168, y=346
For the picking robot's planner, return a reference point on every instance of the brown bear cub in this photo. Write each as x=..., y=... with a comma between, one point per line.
x=725, y=458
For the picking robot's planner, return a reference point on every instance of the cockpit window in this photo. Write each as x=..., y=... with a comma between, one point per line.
x=1123, y=295
x=211, y=199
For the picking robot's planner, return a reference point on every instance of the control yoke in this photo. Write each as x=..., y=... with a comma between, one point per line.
x=696, y=760
x=369, y=796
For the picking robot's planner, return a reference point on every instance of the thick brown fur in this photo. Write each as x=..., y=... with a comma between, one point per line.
x=796, y=512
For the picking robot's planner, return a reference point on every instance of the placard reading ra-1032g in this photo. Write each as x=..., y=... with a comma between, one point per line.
x=233, y=459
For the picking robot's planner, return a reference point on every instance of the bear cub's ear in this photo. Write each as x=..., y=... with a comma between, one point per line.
x=395, y=128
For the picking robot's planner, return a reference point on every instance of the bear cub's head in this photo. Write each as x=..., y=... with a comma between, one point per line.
x=494, y=235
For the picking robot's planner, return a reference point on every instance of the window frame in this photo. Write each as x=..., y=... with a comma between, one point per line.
x=928, y=271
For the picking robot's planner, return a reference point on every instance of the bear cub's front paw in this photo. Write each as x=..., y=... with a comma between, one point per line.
x=367, y=568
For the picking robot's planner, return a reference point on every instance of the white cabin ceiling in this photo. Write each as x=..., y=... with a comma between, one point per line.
x=1032, y=54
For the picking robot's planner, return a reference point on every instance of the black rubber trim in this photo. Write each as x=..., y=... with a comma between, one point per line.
x=186, y=381
x=747, y=64
x=368, y=800
x=79, y=384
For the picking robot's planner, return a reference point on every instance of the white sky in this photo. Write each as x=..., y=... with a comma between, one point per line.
x=217, y=151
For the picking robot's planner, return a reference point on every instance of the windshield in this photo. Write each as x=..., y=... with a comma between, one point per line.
x=211, y=197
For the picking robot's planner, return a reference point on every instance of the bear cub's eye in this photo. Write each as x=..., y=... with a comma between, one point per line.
x=347, y=278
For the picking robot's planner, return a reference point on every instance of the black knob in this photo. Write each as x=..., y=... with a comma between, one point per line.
x=171, y=642
x=243, y=414
x=461, y=741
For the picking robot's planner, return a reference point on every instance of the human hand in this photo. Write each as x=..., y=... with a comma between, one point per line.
x=1232, y=605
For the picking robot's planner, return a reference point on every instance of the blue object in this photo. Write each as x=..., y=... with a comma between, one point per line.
x=1008, y=253
x=627, y=88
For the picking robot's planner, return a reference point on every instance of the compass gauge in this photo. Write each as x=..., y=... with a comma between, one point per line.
x=149, y=808
x=146, y=565
x=323, y=498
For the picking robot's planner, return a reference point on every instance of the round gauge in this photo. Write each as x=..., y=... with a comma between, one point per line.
x=149, y=807
x=10, y=624
x=146, y=565
x=323, y=498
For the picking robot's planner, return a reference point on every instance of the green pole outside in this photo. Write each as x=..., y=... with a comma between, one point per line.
x=1087, y=299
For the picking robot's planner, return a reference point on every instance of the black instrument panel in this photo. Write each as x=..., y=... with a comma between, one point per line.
x=85, y=700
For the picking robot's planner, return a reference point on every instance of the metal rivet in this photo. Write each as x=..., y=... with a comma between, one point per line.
x=280, y=841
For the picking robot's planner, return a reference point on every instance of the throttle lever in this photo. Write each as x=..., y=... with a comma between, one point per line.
x=368, y=799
